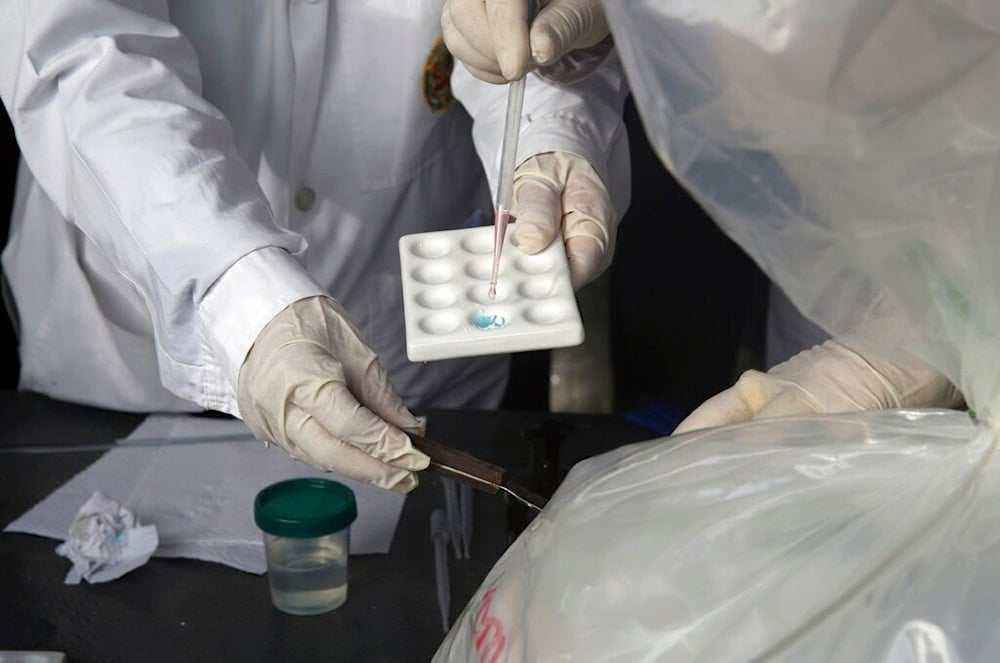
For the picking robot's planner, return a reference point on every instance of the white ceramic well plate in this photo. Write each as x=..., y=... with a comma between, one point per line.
x=446, y=278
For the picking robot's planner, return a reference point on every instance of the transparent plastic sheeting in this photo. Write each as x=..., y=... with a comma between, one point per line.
x=851, y=147
x=863, y=537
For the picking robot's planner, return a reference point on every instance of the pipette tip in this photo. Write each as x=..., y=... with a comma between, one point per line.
x=500, y=230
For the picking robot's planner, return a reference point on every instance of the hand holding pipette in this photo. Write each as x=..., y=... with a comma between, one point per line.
x=567, y=40
x=561, y=197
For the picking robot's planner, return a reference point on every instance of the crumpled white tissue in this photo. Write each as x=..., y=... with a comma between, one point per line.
x=106, y=541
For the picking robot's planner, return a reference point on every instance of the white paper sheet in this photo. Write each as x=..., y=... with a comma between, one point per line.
x=200, y=494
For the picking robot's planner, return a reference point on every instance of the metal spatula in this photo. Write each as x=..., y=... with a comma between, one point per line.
x=465, y=468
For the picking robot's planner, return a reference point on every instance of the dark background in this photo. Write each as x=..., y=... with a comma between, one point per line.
x=686, y=304
x=9, y=363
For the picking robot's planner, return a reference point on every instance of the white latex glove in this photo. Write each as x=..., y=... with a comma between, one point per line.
x=560, y=192
x=311, y=385
x=491, y=37
x=837, y=376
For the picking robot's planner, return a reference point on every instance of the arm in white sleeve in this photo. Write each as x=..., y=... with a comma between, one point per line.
x=106, y=106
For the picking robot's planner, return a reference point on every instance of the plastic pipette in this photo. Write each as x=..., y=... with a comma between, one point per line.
x=505, y=186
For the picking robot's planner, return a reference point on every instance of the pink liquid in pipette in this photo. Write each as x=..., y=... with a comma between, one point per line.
x=499, y=231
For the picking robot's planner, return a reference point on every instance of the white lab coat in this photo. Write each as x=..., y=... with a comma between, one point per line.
x=176, y=137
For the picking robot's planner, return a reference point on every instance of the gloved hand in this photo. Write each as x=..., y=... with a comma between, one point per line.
x=311, y=385
x=560, y=192
x=837, y=376
x=491, y=37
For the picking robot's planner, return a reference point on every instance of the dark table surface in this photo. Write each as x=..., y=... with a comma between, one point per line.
x=189, y=610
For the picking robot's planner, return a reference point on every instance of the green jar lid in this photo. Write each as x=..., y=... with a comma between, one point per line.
x=304, y=508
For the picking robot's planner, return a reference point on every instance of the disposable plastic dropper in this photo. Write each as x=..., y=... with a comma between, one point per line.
x=505, y=186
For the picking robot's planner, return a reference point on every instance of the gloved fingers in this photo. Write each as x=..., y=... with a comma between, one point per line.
x=490, y=38
x=309, y=377
x=788, y=402
x=486, y=75
x=907, y=381
x=564, y=26
x=559, y=191
x=331, y=405
x=538, y=212
x=587, y=258
x=328, y=452
x=498, y=41
x=509, y=21
x=466, y=31
x=356, y=363
x=588, y=224
x=838, y=378
x=369, y=381
x=353, y=397
x=833, y=377
x=738, y=404
x=538, y=199
x=294, y=391
x=725, y=408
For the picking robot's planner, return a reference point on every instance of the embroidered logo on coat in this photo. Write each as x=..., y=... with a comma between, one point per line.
x=437, y=77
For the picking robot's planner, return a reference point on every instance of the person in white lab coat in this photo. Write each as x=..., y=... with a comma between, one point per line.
x=496, y=42
x=179, y=156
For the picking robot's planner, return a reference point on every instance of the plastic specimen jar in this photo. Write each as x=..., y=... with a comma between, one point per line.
x=307, y=526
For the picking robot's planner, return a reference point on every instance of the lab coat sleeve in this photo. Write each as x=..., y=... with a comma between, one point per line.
x=106, y=106
x=584, y=119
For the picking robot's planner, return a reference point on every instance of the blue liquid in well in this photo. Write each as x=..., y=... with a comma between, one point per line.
x=487, y=321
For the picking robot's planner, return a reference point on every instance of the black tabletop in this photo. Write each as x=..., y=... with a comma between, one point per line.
x=188, y=610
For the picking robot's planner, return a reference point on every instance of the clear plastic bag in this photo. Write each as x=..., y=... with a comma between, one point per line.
x=868, y=537
x=852, y=148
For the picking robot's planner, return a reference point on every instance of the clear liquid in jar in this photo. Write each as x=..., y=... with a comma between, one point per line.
x=307, y=582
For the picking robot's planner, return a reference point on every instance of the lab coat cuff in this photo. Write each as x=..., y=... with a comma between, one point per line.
x=241, y=302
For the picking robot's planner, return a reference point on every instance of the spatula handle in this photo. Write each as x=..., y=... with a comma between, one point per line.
x=460, y=466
